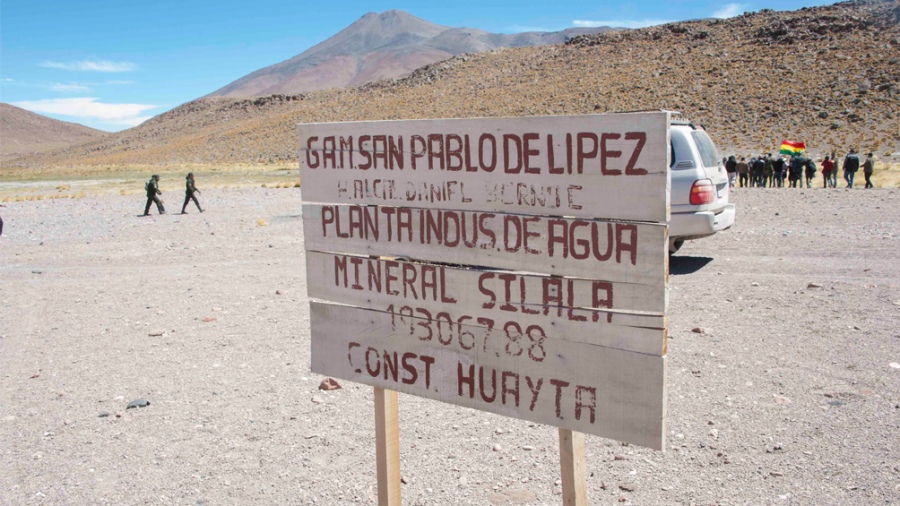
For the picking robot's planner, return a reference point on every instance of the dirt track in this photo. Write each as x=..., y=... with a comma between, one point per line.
x=789, y=397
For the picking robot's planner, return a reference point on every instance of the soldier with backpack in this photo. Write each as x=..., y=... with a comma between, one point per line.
x=810, y=171
x=189, y=190
x=153, y=190
x=795, y=170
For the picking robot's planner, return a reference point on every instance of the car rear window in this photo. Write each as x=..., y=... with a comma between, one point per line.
x=708, y=152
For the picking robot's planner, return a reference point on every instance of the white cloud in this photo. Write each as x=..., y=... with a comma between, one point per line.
x=730, y=11
x=92, y=66
x=620, y=23
x=90, y=109
x=69, y=88
x=6, y=80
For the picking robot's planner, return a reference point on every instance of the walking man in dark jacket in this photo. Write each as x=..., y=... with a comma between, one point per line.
x=189, y=191
x=851, y=165
x=152, y=188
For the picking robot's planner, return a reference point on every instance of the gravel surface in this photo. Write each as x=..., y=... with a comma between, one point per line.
x=788, y=392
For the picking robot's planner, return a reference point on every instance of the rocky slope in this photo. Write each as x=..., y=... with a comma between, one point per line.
x=24, y=132
x=380, y=46
x=828, y=76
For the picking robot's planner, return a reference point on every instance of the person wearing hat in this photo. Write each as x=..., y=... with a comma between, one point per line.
x=868, y=169
x=153, y=190
x=189, y=191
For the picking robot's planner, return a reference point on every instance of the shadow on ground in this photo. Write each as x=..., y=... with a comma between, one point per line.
x=679, y=265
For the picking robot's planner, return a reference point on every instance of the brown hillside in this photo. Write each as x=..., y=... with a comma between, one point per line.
x=828, y=76
x=23, y=133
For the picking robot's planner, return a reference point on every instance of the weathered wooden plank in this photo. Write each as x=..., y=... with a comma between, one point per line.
x=612, y=251
x=596, y=166
x=564, y=308
x=576, y=386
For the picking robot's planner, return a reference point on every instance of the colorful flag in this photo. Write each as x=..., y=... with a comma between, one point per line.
x=792, y=148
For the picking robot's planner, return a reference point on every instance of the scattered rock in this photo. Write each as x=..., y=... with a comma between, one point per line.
x=317, y=400
x=158, y=333
x=528, y=448
x=780, y=399
x=329, y=384
x=698, y=330
x=619, y=457
x=894, y=365
x=138, y=403
x=628, y=486
x=279, y=292
x=813, y=285
x=403, y=480
x=209, y=319
x=103, y=414
x=497, y=448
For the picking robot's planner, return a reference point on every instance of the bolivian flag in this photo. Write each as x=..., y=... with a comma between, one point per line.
x=792, y=148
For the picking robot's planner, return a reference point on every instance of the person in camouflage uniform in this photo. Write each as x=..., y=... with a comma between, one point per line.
x=189, y=191
x=768, y=172
x=152, y=188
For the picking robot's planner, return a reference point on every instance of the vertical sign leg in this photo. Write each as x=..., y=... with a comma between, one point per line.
x=572, y=467
x=387, y=446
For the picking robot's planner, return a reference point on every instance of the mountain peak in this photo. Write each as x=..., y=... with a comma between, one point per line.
x=394, y=21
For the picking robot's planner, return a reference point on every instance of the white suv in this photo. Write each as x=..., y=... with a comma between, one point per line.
x=699, y=196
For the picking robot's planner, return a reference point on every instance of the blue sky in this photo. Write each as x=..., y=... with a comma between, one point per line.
x=111, y=64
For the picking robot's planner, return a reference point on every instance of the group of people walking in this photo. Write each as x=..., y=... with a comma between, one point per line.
x=153, y=193
x=766, y=171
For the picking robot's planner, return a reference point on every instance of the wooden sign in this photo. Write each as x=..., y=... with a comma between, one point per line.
x=503, y=369
x=513, y=265
x=604, y=166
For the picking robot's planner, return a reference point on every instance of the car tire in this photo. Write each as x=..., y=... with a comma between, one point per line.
x=675, y=245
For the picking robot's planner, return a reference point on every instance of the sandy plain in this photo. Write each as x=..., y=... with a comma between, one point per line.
x=791, y=395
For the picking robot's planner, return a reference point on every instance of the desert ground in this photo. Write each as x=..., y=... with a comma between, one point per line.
x=787, y=393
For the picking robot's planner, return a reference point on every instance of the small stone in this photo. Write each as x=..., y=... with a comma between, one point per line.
x=317, y=400
x=209, y=319
x=754, y=284
x=279, y=292
x=627, y=486
x=498, y=431
x=813, y=285
x=776, y=474
x=894, y=365
x=329, y=384
x=157, y=333
x=698, y=330
x=619, y=457
x=403, y=480
x=103, y=414
x=780, y=399
x=528, y=448
x=138, y=403
x=497, y=448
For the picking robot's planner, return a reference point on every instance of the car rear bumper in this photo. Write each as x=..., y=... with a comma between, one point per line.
x=700, y=224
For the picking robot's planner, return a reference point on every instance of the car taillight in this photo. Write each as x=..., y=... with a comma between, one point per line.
x=703, y=192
